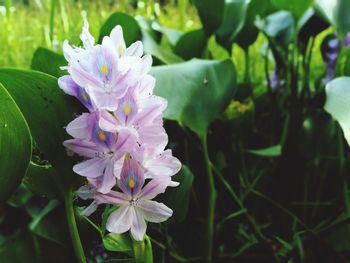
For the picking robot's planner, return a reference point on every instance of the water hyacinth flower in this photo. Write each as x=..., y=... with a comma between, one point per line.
x=135, y=204
x=121, y=139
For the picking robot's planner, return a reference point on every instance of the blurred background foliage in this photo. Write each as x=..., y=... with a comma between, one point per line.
x=250, y=116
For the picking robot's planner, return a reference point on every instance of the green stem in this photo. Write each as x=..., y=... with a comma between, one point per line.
x=73, y=229
x=247, y=66
x=211, y=202
x=142, y=250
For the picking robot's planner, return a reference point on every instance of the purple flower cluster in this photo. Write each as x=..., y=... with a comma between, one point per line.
x=121, y=138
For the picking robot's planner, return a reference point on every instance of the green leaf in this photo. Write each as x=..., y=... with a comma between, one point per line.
x=192, y=44
x=47, y=111
x=178, y=198
x=19, y=247
x=118, y=243
x=296, y=7
x=171, y=34
x=337, y=13
x=343, y=63
x=20, y=197
x=273, y=151
x=15, y=145
x=131, y=29
x=210, y=13
x=197, y=91
x=278, y=26
x=49, y=62
x=233, y=21
x=249, y=33
x=40, y=180
x=152, y=47
x=337, y=103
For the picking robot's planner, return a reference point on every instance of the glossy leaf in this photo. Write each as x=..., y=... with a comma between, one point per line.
x=249, y=33
x=178, y=198
x=191, y=45
x=172, y=35
x=40, y=179
x=337, y=13
x=49, y=62
x=296, y=7
x=47, y=111
x=210, y=13
x=337, y=103
x=278, y=26
x=197, y=91
x=153, y=48
x=15, y=145
x=233, y=21
x=131, y=29
x=117, y=243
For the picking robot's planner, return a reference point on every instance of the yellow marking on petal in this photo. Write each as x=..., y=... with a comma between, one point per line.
x=127, y=109
x=127, y=156
x=104, y=70
x=102, y=136
x=84, y=96
x=132, y=183
x=121, y=49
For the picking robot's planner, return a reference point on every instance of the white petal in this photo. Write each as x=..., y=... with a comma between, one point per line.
x=153, y=211
x=90, y=209
x=120, y=221
x=338, y=103
x=138, y=227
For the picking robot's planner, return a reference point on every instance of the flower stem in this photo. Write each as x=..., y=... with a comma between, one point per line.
x=73, y=230
x=143, y=250
x=211, y=202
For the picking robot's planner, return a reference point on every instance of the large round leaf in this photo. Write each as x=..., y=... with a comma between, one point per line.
x=131, y=29
x=47, y=111
x=197, y=91
x=15, y=145
x=210, y=13
x=191, y=44
x=48, y=61
x=337, y=103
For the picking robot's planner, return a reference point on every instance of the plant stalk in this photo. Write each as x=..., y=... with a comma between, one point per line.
x=211, y=202
x=73, y=229
x=142, y=250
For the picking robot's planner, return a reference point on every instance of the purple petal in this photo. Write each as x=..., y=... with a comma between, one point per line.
x=138, y=227
x=80, y=128
x=153, y=211
x=107, y=122
x=83, y=148
x=155, y=187
x=120, y=221
x=131, y=177
x=91, y=168
x=111, y=197
x=108, y=180
x=127, y=109
x=118, y=39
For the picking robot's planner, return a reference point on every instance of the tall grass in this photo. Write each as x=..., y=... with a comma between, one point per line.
x=48, y=22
